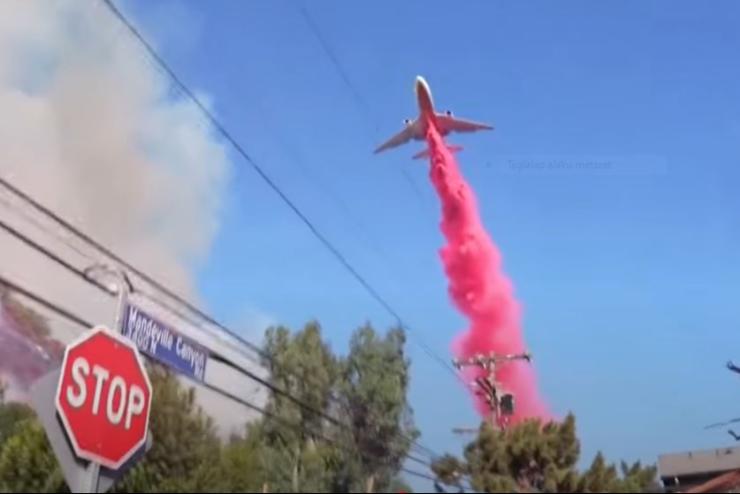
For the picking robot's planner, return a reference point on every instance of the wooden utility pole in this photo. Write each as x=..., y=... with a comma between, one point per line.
x=500, y=402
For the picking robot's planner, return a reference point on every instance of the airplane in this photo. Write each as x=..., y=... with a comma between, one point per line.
x=417, y=129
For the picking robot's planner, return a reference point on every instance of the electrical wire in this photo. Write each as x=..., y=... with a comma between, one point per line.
x=76, y=319
x=214, y=355
x=30, y=219
x=337, y=254
x=29, y=242
x=57, y=309
x=218, y=126
x=364, y=108
x=221, y=129
x=110, y=254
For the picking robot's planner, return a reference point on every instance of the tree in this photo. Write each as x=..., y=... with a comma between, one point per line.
x=351, y=436
x=186, y=451
x=373, y=389
x=531, y=457
x=303, y=366
x=27, y=463
x=525, y=457
x=365, y=394
x=449, y=471
x=11, y=416
x=184, y=458
x=601, y=477
x=637, y=478
x=241, y=465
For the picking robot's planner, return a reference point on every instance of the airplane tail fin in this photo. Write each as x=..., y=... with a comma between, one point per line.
x=425, y=153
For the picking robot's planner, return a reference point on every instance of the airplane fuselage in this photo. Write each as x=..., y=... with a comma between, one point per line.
x=424, y=99
x=427, y=114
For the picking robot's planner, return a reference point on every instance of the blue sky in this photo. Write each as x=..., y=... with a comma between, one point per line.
x=628, y=274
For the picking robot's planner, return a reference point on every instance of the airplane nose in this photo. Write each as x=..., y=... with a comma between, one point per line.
x=420, y=83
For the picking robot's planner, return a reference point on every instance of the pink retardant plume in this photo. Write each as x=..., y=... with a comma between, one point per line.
x=479, y=288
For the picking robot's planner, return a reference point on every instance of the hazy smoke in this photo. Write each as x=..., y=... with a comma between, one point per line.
x=94, y=131
x=90, y=128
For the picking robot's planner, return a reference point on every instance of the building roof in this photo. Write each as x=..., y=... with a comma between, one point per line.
x=727, y=482
x=699, y=462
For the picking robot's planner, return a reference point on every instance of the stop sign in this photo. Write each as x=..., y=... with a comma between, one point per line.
x=104, y=398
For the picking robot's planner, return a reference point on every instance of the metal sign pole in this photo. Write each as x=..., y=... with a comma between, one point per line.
x=93, y=469
x=122, y=300
x=94, y=475
x=82, y=475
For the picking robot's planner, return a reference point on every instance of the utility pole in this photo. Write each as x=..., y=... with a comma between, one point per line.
x=736, y=369
x=499, y=401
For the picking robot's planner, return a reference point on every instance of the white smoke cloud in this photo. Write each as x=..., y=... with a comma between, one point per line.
x=92, y=129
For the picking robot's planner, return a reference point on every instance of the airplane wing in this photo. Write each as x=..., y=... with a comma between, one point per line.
x=402, y=137
x=451, y=124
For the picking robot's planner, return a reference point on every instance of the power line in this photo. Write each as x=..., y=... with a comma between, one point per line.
x=112, y=255
x=160, y=286
x=84, y=237
x=49, y=254
x=364, y=108
x=30, y=219
x=317, y=233
x=216, y=124
x=335, y=61
x=246, y=372
x=297, y=160
x=76, y=319
x=58, y=309
x=14, y=232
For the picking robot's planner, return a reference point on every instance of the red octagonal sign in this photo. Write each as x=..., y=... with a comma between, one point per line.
x=104, y=398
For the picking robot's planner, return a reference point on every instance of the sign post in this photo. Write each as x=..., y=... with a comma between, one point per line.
x=122, y=287
x=95, y=408
x=76, y=471
x=93, y=477
x=103, y=399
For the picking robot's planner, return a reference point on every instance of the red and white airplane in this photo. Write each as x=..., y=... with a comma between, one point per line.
x=443, y=122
